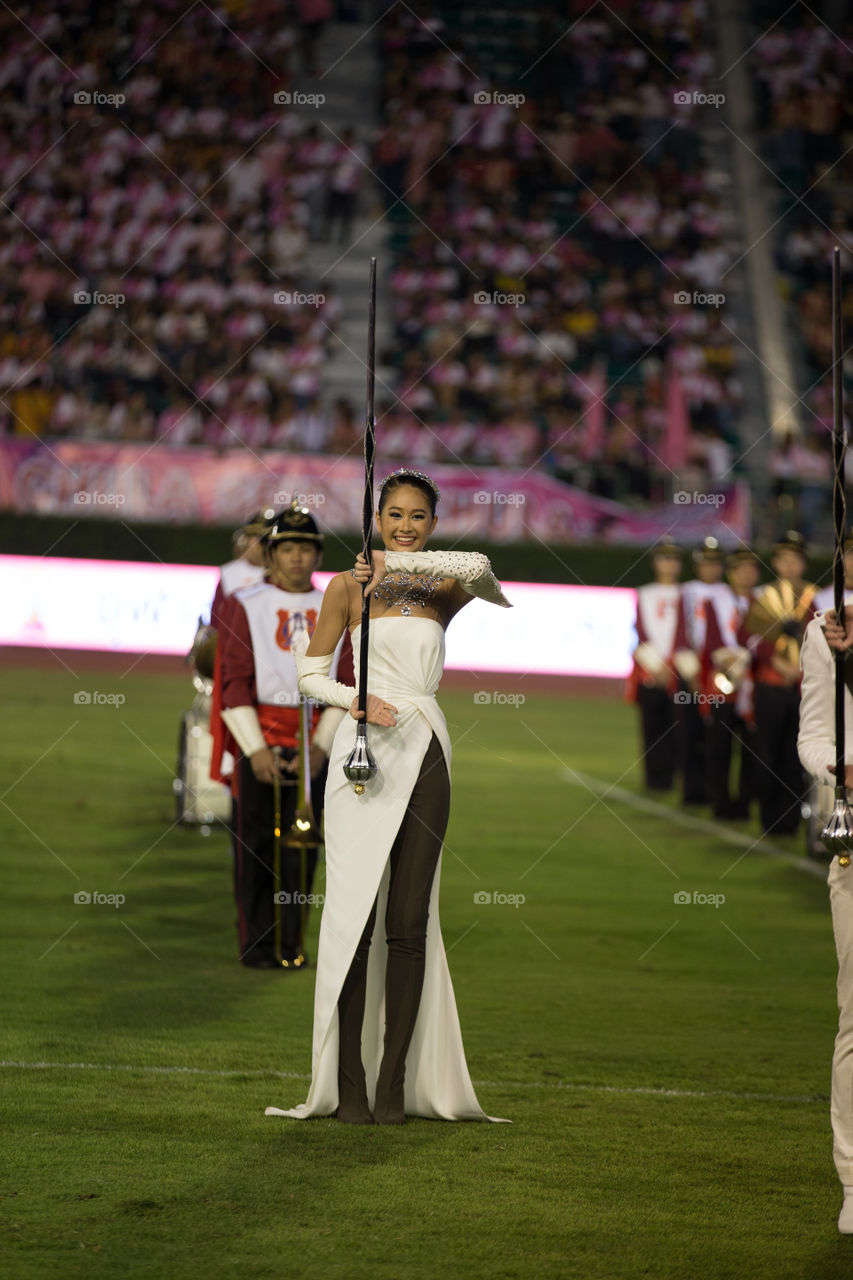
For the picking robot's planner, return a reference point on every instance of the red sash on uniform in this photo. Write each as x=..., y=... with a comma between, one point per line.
x=280, y=725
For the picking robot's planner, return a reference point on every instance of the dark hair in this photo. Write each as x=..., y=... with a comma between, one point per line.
x=413, y=478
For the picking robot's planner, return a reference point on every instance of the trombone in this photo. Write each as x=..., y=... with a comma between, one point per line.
x=303, y=834
x=732, y=664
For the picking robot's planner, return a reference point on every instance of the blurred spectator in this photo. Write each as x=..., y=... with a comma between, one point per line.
x=348, y=164
x=802, y=474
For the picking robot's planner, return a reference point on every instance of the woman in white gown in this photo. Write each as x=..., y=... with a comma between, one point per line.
x=386, y=1039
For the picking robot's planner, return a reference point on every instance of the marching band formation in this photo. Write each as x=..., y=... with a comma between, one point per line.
x=716, y=678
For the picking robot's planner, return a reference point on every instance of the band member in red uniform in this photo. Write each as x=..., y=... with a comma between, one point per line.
x=773, y=631
x=652, y=681
x=727, y=681
x=248, y=566
x=260, y=708
x=689, y=644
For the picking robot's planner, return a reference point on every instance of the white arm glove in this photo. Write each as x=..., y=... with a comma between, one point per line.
x=816, y=740
x=314, y=681
x=686, y=663
x=649, y=659
x=245, y=727
x=471, y=569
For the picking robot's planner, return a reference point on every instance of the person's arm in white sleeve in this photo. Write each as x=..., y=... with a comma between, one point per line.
x=312, y=669
x=327, y=727
x=471, y=569
x=245, y=727
x=315, y=681
x=816, y=739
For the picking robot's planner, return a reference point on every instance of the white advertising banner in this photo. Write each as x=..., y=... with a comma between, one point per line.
x=128, y=607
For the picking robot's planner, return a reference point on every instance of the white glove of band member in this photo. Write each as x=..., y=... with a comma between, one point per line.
x=686, y=663
x=649, y=659
x=245, y=727
x=471, y=569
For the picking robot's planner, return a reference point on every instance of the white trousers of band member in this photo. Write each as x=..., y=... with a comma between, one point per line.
x=840, y=880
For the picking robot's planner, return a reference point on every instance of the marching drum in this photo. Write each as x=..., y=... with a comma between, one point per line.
x=199, y=800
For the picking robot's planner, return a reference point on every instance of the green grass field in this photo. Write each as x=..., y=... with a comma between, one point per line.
x=665, y=1065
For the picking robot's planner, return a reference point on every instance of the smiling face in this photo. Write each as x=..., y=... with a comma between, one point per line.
x=405, y=520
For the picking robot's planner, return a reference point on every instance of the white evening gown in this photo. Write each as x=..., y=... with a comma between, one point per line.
x=406, y=657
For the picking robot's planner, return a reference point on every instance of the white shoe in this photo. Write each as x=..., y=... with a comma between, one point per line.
x=845, y=1217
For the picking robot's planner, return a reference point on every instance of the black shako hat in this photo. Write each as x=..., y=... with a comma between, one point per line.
x=257, y=525
x=792, y=541
x=294, y=524
x=710, y=552
x=741, y=555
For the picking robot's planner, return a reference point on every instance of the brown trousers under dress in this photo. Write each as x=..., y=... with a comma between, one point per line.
x=414, y=857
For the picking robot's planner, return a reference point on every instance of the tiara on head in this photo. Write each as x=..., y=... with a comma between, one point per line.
x=402, y=472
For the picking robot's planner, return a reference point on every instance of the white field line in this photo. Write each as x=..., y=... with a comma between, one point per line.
x=565, y=1086
x=727, y=835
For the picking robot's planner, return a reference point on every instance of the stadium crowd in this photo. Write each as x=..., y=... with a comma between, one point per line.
x=803, y=73
x=160, y=200
x=159, y=195
x=559, y=239
x=564, y=224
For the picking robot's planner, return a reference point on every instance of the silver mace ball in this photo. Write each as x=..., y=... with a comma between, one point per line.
x=837, y=835
x=360, y=765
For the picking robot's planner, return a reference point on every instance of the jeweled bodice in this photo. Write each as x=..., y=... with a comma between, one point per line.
x=407, y=591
